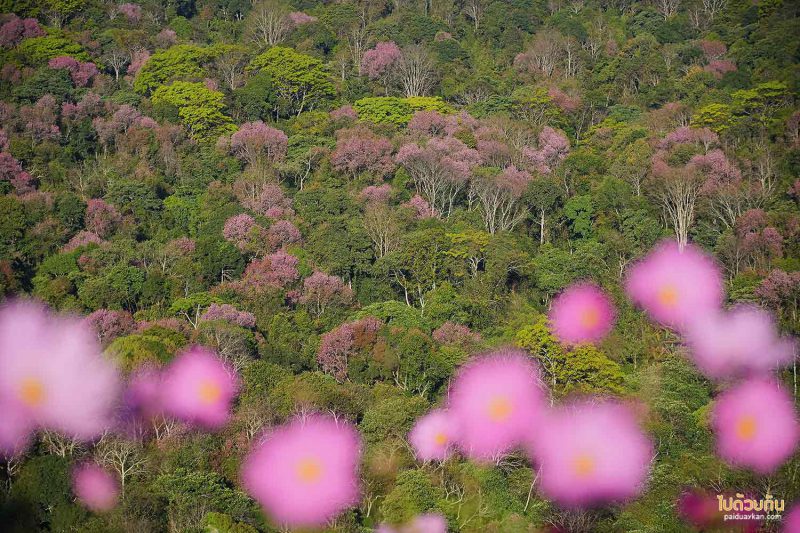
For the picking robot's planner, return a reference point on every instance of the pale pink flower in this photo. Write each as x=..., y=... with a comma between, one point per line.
x=199, y=388
x=15, y=428
x=582, y=313
x=433, y=436
x=305, y=472
x=674, y=286
x=494, y=401
x=591, y=453
x=142, y=400
x=95, y=487
x=739, y=342
x=53, y=374
x=424, y=523
x=755, y=425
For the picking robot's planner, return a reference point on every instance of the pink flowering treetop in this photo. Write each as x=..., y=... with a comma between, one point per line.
x=455, y=334
x=359, y=150
x=346, y=113
x=132, y=12
x=230, y=314
x=80, y=72
x=101, y=217
x=16, y=29
x=275, y=270
x=377, y=194
x=552, y=150
x=11, y=171
x=321, y=290
x=256, y=143
x=110, y=324
x=376, y=62
x=283, y=233
x=264, y=198
x=238, y=229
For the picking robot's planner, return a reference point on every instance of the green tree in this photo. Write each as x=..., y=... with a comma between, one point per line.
x=199, y=108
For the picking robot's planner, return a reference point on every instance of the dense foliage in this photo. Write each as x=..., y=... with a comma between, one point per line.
x=347, y=200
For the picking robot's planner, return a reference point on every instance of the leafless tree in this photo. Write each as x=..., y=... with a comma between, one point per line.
x=473, y=9
x=269, y=22
x=58, y=444
x=230, y=67
x=678, y=191
x=500, y=203
x=544, y=53
x=712, y=7
x=667, y=8
x=414, y=71
x=116, y=59
x=123, y=456
x=383, y=229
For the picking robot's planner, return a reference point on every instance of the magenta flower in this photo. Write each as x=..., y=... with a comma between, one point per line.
x=737, y=343
x=494, y=401
x=15, y=428
x=582, y=313
x=674, y=286
x=791, y=520
x=95, y=487
x=52, y=374
x=433, y=436
x=142, y=398
x=199, y=388
x=756, y=425
x=305, y=472
x=591, y=453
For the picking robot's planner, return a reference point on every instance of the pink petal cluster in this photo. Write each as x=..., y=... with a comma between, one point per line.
x=433, y=436
x=305, y=472
x=591, y=453
x=755, y=425
x=377, y=61
x=424, y=523
x=676, y=286
x=737, y=343
x=495, y=400
x=52, y=376
x=197, y=387
x=582, y=313
x=95, y=487
x=791, y=520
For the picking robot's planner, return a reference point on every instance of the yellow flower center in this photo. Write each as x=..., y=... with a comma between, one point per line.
x=583, y=465
x=668, y=295
x=440, y=439
x=31, y=392
x=309, y=470
x=209, y=392
x=590, y=318
x=746, y=427
x=499, y=409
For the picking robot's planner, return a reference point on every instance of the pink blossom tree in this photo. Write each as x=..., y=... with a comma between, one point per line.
x=346, y=113
x=420, y=207
x=238, y=229
x=334, y=349
x=320, y=291
x=283, y=233
x=40, y=119
x=11, y=171
x=719, y=67
x=264, y=198
x=552, y=150
x=101, y=217
x=259, y=145
x=456, y=334
x=230, y=314
x=80, y=72
x=359, y=150
x=276, y=270
x=376, y=194
x=82, y=238
x=131, y=12
x=377, y=63
x=781, y=291
x=14, y=30
x=723, y=185
x=110, y=324
x=440, y=170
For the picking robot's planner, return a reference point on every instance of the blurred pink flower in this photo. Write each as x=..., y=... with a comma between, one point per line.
x=52, y=372
x=495, y=400
x=791, y=520
x=95, y=487
x=674, y=286
x=582, y=313
x=433, y=436
x=591, y=453
x=756, y=425
x=305, y=472
x=199, y=388
x=739, y=342
x=424, y=523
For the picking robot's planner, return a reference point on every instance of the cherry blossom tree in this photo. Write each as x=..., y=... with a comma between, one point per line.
x=101, y=217
x=258, y=144
x=377, y=63
x=553, y=148
x=378, y=194
x=282, y=233
x=440, y=170
x=14, y=30
x=110, y=324
x=275, y=270
x=320, y=291
x=238, y=229
x=11, y=171
x=264, y=198
x=230, y=314
x=456, y=334
x=359, y=150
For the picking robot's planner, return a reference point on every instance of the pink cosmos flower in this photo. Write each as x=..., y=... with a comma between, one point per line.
x=305, y=472
x=424, y=523
x=95, y=487
x=199, y=388
x=15, y=428
x=433, y=435
x=736, y=343
x=676, y=286
x=582, y=313
x=791, y=520
x=755, y=425
x=52, y=375
x=494, y=401
x=142, y=398
x=591, y=453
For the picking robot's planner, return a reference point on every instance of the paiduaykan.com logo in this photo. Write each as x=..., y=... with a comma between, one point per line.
x=741, y=508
